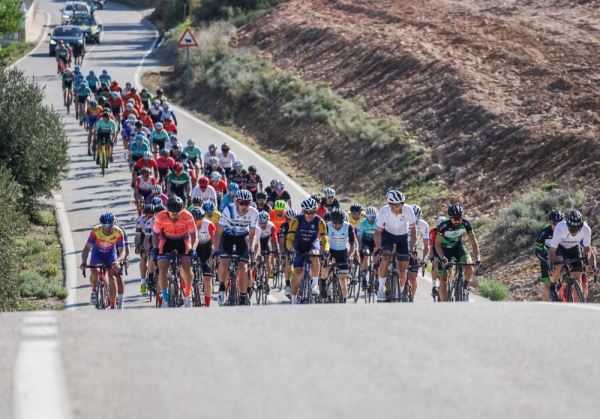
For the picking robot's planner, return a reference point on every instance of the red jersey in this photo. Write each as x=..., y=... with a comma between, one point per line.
x=171, y=128
x=221, y=186
x=141, y=163
x=321, y=211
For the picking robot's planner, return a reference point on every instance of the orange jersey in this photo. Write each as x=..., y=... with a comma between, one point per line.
x=181, y=229
x=277, y=220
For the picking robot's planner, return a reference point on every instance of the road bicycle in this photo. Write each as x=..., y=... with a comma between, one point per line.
x=354, y=280
x=174, y=281
x=197, y=283
x=333, y=289
x=392, y=281
x=232, y=293
x=278, y=272
x=372, y=268
x=102, y=286
x=458, y=290
x=567, y=285
x=305, y=295
x=261, y=285
x=102, y=153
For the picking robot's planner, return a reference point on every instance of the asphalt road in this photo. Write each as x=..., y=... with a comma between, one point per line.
x=417, y=360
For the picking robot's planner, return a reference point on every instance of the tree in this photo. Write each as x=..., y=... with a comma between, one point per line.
x=11, y=16
x=33, y=144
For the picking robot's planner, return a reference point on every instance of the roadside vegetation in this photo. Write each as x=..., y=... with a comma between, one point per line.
x=33, y=157
x=13, y=50
x=493, y=290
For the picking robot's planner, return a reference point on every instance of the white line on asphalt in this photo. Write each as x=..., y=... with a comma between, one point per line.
x=39, y=386
x=585, y=306
x=69, y=257
x=42, y=38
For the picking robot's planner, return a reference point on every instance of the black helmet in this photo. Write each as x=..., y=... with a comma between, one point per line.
x=555, y=215
x=197, y=213
x=158, y=208
x=455, y=210
x=197, y=200
x=174, y=204
x=252, y=169
x=336, y=215
x=356, y=207
x=574, y=221
x=261, y=195
x=148, y=209
x=224, y=146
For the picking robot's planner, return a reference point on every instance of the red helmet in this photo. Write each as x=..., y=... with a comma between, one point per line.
x=203, y=182
x=178, y=167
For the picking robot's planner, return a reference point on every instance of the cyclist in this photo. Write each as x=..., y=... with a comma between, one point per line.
x=342, y=245
x=146, y=121
x=235, y=232
x=542, y=245
x=279, y=192
x=93, y=81
x=145, y=161
x=106, y=132
x=67, y=85
x=268, y=243
x=130, y=110
x=83, y=94
x=307, y=233
x=414, y=263
x=77, y=52
x=229, y=198
x=195, y=155
x=205, y=232
x=175, y=229
x=565, y=244
x=115, y=87
x=254, y=182
x=179, y=182
x=434, y=255
x=204, y=191
x=146, y=98
x=449, y=244
x=63, y=56
x=395, y=222
x=143, y=187
x=106, y=242
x=160, y=96
x=213, y=166
x=366, y=241
x=226, y=159
x=140, y=244
x=105, y=78
x=238, y=174
x=159, y=138
x=212, y=152
x=169, y=126
x=282, y=236
x=94, y=111
x=132, y=95
x=211, y=213
x=166, y=112
x=277, y=215
x=155, y=111
x=138, y=148
x=261, y=202
x=219, y=184
x=116, y=106
x=157, y=194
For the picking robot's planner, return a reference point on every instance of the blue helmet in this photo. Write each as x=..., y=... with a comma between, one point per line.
x=107, y=219
x=157, y=201
x=92, y=73
x=233, y=187
x=208, y=206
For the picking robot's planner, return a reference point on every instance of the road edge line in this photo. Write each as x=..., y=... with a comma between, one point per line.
x=37, y=46
x=68, y=251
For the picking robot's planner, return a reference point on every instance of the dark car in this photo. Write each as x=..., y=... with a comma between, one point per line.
x=69, y=34
x=98, y=3
x=88, y=25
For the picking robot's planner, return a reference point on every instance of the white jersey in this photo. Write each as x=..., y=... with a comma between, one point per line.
x=145, y=184
x=236, y=224
x=226, y=162
x=564, y=238
x=204, y=231
x=207, y=157
x=396, y=224
x=147, y=230
x=208, y=194
x=422, y=231
x=268, y=231
x=140, y=223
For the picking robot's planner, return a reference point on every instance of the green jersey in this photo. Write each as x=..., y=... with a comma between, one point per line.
x=452, y=235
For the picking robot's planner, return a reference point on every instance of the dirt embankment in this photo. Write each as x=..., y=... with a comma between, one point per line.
x=507, y=93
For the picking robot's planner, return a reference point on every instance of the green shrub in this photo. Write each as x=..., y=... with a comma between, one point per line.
x=33, y=284
x=209, y=10
x=493, y=290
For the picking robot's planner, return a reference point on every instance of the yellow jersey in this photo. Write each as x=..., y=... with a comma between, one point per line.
x=215, y=217
x=355, y=221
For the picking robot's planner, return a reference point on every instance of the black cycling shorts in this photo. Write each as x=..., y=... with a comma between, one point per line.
x=234, y=245
x=204, y=251
x=366, y=244
x=171, y=245
x=388, y=240
x=67, y=84
x=82, y=99
x=265, y=245
x=572, y=253
x=340, y=257
x=116, y=110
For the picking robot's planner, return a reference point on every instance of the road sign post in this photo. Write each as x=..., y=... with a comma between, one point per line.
x=187, y=41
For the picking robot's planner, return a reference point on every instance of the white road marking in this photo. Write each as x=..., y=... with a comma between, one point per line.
x=585, y=306
x=69, y=256
x=39, y=386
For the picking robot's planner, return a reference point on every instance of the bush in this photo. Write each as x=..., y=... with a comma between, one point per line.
x=32, y=284
x=33, y=145
x=10, y=16
x=209, y=10
x=493, y=289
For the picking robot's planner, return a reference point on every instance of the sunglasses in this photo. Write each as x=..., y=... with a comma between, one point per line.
x=173, y=214
x=456, y=218
x=310, y=212
x=400, y=205
x=244, y=203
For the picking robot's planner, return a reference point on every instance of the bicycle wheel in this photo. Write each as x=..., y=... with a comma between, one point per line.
x=173, y=291
x=578, y=291
x=394, y=287
x=100, y=296
x=458, y=288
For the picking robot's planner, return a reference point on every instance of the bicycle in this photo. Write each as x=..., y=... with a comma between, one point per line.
x=103, y=154
x=197, y=284
x=232, y=294
x=278, y=272
x=261, y=286
x=354, y=280
x=102, y=287
x=372, y=268
x=333, y=288
x=305, y=291
x=458, y=290
x=392, y=281
x=174, y=281
x=566, y=283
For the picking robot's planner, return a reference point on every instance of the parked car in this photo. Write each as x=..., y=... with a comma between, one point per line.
x=98, y=3
x=72, y=7
x=88, y=25
x=68, y=34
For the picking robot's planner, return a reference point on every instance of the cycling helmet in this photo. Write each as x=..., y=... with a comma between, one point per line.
x=148, y=209
x=105, y=72
x=91, y=73
x=317, y=198
x=147, y=154
x=329, y=192
x=158, y=208
x=191, y=143
x=291, y=213
x=233, y=187
x=261, y=195
x=309, y=205
x=159, y=91
x=371, y=212
x=273, y=183
x=164, y=152
x=215, y=176
x=178, y=167
x=158, y=126
x=106, y=114
x=455, y=210
x=555, y=215
x=146, y=171
x=77, y=69
x=114, y=95
x=94, y=102
x=263, y=217
x=243, y=195
x=224, y=147
x=356, y=207
x=213, y=161
x=197, y=213
x=174, y=143
x=280, y=205
x=203, y=181
x=238, y=164
x=174, y=204
x=165, y=105
x=212, y=147
x=440, y=220
x=156, y=103
x=84, y=83
x=417, y=211
x=133, y=90
x=157, y=200
x=395, y=197
x=183, y=156
x=107, y=219
x=279, y=186
x=197, y=200
x=156, y=188
x=336, y=216
x=327, y=217
x=574, y=221
x=208, y=206
x=252, y=169
x=129, y=106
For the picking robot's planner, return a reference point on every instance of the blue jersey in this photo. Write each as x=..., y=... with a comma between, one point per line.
x=139, y=151
x=226, y=200
x=366, y=230
x=84, y=91
x=93, y=81
x=340, y=239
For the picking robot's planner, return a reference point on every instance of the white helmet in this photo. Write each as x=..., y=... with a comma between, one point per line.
x=329, y=192
x=243, y=195
x=309, y=205
x=215, y=176
x=263, y=217
x=371, y=212
x=156, y=188
x=395, y=197
x=191, y=143
x=238, y=164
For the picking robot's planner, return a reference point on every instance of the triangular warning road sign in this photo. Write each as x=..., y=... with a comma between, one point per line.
x=187, y=39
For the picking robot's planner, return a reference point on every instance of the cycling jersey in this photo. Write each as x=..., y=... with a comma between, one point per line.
x=178, y=182
x=227, y=199
x=239, y=177
x=252, y=184
x=302, y=234
x=366, y=230
x=159, y=136
x=208, y=193
x=207, y=157
x=214, y=217
x=167, y=114
x=141, y=163
x=84, y=92
x=105, y=78
x=226, y=161
x=169, y=127
x=220, y=186
x=268, y=231
x=180, y=229
x=329, y=207
x=544, y=239
x=162, y=197
x=62, y=53
x=106, y=243
x=93, y=82
x=452, y=234
x=154, y=113
x=194, y=152
x=562, y=237
x=165, y=162
x=106, y=126
x=266, y=208
x=277, y=220
x=356, y=221
x=138, y=151
x=116, y=104
x=144, y=185
x=206, y=231
x=396, y=225
x=236, y=224
x=285, y=196
x=339, y=239
x=68, y=76
x=422, y=231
